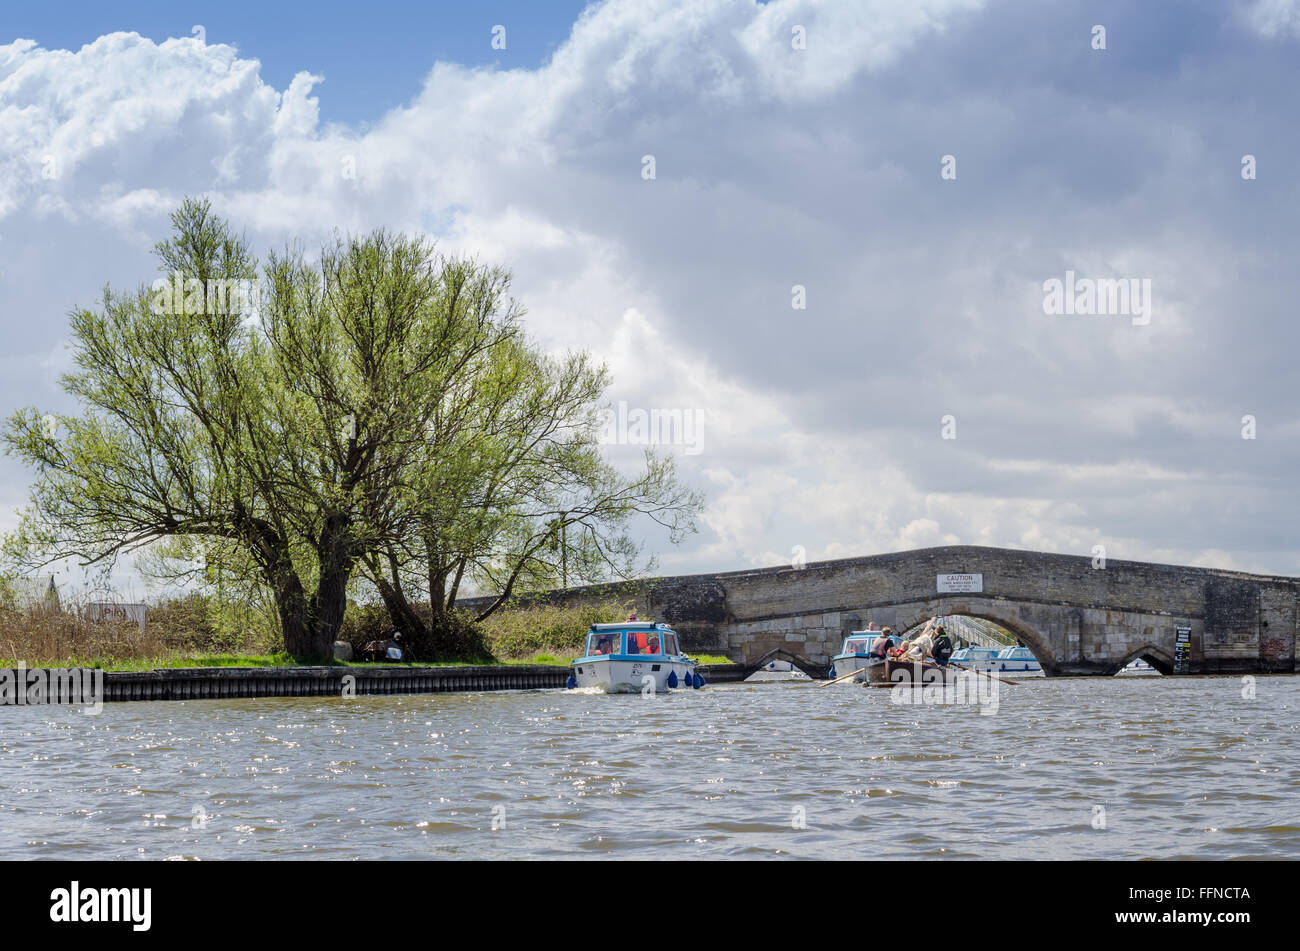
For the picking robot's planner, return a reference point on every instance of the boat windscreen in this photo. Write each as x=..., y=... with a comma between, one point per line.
x=643, y=642
x=604, y=642
x=855, y=645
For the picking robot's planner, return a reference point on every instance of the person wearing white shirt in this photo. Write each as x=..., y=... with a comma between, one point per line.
x=923, y=645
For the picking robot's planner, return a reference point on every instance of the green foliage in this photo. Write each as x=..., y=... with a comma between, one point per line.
x=197, y=660
x=205, y=624
x=265, y=443
x=459, y=636
x=363, y=623
x=548, y=628
x=375, y=412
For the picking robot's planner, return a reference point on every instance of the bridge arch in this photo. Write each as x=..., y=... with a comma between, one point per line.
x=1038, y=645
x=1155, y=655
x=814, y=671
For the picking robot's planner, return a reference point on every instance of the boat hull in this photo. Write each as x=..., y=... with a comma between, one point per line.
x=631, y=676
x=896, y=673
x=995, y=665
x=843, y=663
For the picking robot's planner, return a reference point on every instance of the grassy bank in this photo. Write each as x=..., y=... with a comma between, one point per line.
x=200, y=632
x=284, y=660
x=245, y=660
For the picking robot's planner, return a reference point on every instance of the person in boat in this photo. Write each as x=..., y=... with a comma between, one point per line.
x=654, y=644
x=881, y=646
x=942, y=648
x=923, y=646
x=605, y=645
x=860, y=648
x=632, y=617
x=900, y=651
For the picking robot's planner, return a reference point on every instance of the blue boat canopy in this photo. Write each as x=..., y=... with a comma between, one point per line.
x=631, y=639
x=859, y=643
x=631, y=626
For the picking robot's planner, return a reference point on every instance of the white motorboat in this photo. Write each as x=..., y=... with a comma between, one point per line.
x=854, y=655
x=633, y=657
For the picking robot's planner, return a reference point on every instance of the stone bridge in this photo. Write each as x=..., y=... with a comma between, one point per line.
x=1076, y=618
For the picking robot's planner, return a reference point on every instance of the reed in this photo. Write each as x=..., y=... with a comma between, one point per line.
x=69, y=634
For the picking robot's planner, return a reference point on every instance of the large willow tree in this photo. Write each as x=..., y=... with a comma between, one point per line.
x=511, y=493
x=378, y=408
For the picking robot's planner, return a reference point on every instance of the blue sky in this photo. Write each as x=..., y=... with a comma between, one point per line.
x=776, y=167
x=373, y=55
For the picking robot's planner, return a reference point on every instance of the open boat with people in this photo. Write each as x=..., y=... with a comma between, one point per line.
x=901, y=673
x=633, y=657
x=926, y=663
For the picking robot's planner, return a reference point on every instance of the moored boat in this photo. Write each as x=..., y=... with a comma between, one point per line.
x=1018, y=660
x=633, y=657
x=1009, y=660
x=983, y=659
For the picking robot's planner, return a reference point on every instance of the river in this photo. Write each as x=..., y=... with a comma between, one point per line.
x=1118, y=768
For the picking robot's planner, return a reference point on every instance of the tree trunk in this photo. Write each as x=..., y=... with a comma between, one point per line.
x=331, y=599
x=403, y=616
x=291, y=605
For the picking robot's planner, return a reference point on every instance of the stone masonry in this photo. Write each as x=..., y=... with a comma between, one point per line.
x=1076, y=619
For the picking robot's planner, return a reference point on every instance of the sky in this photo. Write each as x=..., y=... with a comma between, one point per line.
x=839, y=267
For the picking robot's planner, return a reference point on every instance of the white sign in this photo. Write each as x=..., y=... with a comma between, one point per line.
x=108, y=611
x=959, y=584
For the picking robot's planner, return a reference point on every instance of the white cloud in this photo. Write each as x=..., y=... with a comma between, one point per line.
x=775, y=167
x=839, y=39
x=1275, y=17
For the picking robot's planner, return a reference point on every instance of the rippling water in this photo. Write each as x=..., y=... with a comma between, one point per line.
x=1128, y=767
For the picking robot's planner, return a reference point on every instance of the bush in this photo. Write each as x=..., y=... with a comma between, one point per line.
x=42, y=635
x=200, y=624
x=459, y=638
x=526, y=631
x=363, y=623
